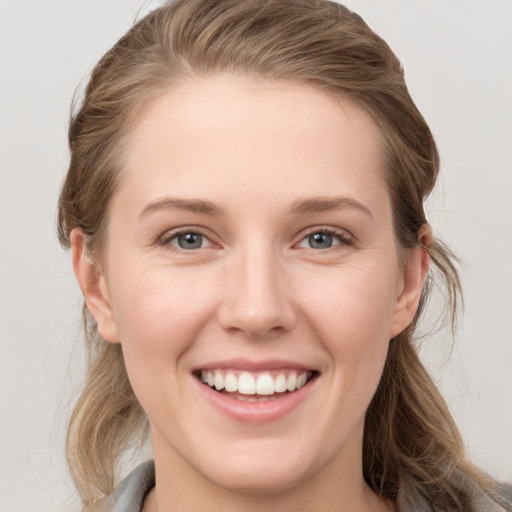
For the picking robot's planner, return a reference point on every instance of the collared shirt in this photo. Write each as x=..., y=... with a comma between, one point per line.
x=130, y=494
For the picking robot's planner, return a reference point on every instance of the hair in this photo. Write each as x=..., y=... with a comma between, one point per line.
x=410, y=437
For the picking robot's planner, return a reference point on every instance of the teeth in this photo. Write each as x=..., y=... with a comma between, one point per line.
x=231, y=383
x=280, y=383
x=265, y=385
x=256, y=398
x=291, y=382
x=246, y=383
x=301, y=380
x=218, y=381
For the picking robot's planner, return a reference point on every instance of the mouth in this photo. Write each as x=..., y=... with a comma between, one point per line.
x=250, y=386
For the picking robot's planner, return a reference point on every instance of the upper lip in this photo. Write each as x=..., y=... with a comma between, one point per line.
x=254, y=366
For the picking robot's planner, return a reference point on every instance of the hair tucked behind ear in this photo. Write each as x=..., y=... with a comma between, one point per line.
x=410, y=438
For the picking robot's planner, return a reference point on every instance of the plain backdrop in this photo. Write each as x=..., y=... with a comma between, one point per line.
x=458, y=61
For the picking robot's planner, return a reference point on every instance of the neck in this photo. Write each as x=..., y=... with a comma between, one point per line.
x=366, y=502
x=337, y=486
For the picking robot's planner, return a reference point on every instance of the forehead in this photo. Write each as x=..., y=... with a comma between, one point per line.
x=254, y=137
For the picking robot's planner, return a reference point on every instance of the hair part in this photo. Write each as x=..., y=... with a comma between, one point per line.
x=409, y=432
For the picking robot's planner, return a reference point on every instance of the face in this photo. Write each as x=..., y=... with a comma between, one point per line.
x=250, y=245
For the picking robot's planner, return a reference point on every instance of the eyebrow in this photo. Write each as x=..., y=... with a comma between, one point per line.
x=300, y=206
x=325, y=203
x=191, y=205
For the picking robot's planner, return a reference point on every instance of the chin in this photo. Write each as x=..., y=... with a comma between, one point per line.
x=267, y=479
x=265, y=470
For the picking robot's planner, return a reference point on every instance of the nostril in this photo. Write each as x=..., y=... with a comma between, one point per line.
x=257, y=303
x=258, y=334
x=257, y=325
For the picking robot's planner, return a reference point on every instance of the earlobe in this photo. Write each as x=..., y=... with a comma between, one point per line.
x=415, y=272
x=92, y=283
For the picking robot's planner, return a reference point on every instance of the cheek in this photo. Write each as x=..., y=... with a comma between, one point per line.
x=352, y=315
x=353, y=306
x=159, y=315
x=159, y=312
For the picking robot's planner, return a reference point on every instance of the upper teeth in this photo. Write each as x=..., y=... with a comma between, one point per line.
x=248, y=384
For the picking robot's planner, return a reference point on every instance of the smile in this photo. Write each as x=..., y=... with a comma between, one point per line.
x=256, y=392
x=249, y=386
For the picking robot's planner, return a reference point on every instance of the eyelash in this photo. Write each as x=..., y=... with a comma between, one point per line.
x=343, y=238
x=168, y=237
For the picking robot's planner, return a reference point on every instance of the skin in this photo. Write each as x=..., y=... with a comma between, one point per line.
x=256, y=289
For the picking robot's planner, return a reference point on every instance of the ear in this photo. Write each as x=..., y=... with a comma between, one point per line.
x=92, y=283
x=414, y=275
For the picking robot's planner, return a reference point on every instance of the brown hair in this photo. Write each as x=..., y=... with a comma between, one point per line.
x=410, y=437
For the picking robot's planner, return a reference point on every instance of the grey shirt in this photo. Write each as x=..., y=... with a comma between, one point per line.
x=130, y=494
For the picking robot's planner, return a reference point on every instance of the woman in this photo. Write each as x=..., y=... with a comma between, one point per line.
x=244, y=206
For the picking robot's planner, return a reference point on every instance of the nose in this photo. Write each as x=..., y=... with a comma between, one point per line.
x=258, y=298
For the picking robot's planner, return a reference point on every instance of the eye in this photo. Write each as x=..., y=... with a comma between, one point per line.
x=324, y=239
x=321, y=240
x=187, y=240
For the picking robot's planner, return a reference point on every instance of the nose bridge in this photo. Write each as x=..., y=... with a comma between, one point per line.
x=258, y=294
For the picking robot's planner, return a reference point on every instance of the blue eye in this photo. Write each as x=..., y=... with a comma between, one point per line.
x=324, y=239
x=320, y=240
x=189, y=240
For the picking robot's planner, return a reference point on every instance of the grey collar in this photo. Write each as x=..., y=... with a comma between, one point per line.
x=130, y=494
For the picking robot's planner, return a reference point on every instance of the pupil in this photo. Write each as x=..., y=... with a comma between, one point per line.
x=320, y=240
x=190, y=241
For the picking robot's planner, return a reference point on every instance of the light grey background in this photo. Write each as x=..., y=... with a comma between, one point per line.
x=458, y=61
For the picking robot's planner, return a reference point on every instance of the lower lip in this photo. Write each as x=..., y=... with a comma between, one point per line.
x=256, y=412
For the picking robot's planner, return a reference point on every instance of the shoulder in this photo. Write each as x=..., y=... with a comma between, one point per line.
x=129, y=495
x=412, y=499
x=504, y=493
x=499, y=500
